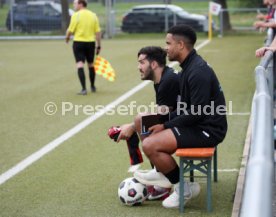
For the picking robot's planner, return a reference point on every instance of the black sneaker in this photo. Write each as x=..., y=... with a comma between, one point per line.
x=93, y=89
x=83, y=92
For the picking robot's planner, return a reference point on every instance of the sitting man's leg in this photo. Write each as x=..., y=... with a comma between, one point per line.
x=159, y=148
x=157, y=191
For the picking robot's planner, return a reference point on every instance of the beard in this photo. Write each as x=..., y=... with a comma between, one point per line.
x=171, y=57
x=148, y=74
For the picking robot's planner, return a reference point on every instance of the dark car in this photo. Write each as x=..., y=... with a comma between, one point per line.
x=35, y=16
x=152, y=18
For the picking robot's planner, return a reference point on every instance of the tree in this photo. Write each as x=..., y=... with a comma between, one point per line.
x=225, y=15
x=252, y=3
x=2, y=2
x=65, y=15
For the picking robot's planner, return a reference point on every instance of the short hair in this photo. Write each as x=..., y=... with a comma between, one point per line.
x=154, y=53
x=83, y=2
x=187, y=33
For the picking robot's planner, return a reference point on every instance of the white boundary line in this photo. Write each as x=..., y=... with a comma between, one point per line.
x=56, y=142
x=228, y=170
x=239, y=113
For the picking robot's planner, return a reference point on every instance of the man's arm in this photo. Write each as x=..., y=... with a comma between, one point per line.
x=261, y=51
x=200, y=89
x=263, y=24
x=98, y=42
x=67, y=37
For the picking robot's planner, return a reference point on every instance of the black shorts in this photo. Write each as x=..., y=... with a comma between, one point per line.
x=193, y=137
x=84, y=51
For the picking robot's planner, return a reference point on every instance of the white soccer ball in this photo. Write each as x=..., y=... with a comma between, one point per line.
x=131, y=192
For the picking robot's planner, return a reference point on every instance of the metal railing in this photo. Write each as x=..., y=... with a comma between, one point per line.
x=258, y=188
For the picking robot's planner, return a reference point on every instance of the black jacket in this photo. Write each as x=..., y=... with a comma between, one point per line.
x=202, y=97
x=167, y=90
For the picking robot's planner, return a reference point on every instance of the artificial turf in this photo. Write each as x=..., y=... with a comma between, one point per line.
x=81, y=176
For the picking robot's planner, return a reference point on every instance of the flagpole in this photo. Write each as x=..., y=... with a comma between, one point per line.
x=210, y=26
x=214, y=9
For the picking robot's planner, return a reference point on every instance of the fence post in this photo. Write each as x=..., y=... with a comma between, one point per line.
x=221, y=22
x=11, y=15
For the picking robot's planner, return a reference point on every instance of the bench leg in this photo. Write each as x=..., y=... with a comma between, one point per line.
x=209, y=185
x=215, y=166
x=191, y=173
x=181, y=186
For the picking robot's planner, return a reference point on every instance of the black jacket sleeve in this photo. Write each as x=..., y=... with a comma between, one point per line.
x=190, y=110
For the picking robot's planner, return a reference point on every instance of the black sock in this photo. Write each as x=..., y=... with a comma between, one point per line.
x=152, y=166
x=173, y=175
x=82, y=78
x=92, y=76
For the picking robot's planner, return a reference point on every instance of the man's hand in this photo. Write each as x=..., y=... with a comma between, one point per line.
x=98, y=49
x=67, y=36
x=261, y=51
x=259, y=24
x=156, y=128
x=126, y=131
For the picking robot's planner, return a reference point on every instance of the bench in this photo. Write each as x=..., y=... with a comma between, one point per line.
x=197, y=159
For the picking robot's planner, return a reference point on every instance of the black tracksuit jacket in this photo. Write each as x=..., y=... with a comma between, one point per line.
x=200, y=88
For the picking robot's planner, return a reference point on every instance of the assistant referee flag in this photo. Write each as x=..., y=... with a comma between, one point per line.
x=104, y=68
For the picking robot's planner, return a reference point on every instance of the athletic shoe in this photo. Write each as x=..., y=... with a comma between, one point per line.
x=133, y=168
x=93, y=89
x=83, y=92
x=152, y=178
x=159, y=193
x=191, y=190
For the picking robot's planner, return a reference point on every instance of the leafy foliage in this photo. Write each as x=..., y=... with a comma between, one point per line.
x=251, y=3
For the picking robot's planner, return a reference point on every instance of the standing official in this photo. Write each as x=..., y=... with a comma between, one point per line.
x=84, y=25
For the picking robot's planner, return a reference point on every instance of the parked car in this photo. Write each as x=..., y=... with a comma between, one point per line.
x=35, y=16
x=152, y=18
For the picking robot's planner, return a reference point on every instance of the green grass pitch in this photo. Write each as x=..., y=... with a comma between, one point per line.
x=80, y=178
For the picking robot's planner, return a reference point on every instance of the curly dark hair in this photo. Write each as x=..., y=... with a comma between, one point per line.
x=154, y=53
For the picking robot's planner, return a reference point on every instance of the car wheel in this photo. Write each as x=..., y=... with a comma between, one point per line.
x=29, y=30
x=18, y=27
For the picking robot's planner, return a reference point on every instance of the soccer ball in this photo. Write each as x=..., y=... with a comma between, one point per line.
x=131, y=192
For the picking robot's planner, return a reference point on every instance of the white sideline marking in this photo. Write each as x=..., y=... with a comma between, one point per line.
x=201, y=45
x=52, y=145
x=239, y=113
x=228, y=170
x=56, y=142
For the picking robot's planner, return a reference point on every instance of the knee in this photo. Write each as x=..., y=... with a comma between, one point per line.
x=137, y=120
x=148, y=147
x=80, y=64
